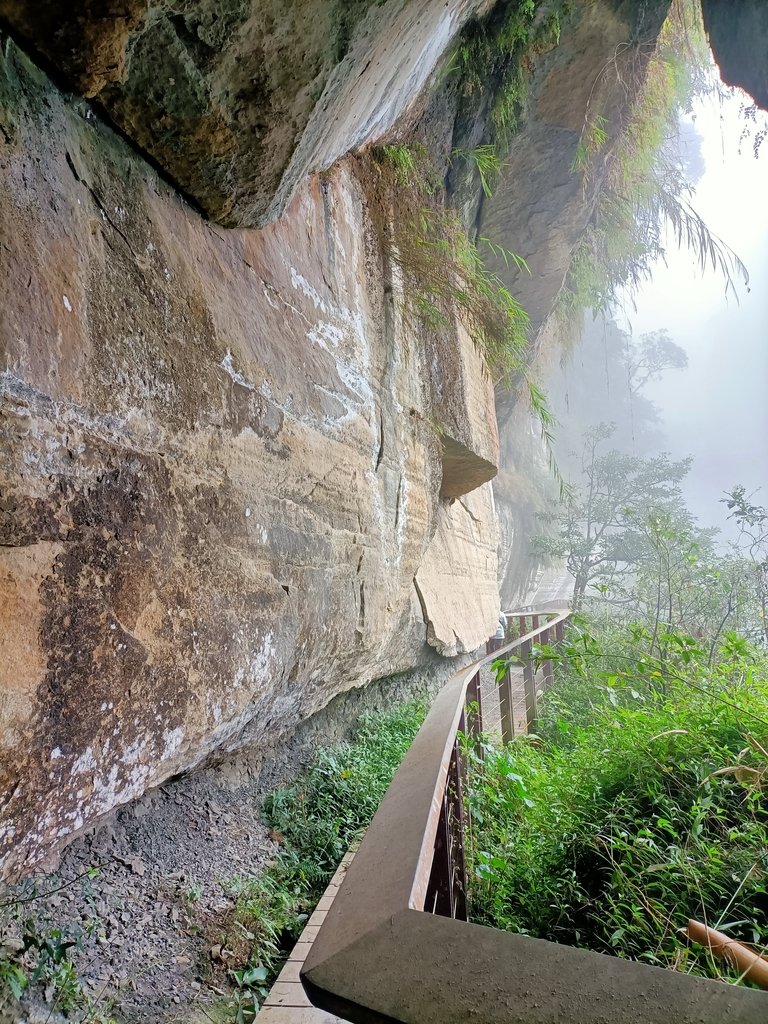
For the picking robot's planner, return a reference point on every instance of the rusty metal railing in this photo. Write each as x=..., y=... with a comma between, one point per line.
x=395, y=945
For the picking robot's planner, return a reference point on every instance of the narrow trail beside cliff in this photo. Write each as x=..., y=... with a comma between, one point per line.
x=149, y=892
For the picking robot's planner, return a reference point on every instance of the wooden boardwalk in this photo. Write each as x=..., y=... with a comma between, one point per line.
x=286, y=1002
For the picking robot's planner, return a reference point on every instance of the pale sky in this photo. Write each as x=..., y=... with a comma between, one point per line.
x=717, y=409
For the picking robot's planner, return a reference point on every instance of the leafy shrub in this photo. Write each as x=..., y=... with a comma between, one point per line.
x=639, y=805
x=42, y=965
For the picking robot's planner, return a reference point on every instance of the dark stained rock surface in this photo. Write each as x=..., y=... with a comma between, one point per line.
x=738, y=34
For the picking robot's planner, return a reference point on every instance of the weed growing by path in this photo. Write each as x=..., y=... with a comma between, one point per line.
x=35, y=960
x=314, y=821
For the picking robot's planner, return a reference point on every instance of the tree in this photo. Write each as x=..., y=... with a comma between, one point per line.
x=687, y=586
x=603, y=381
x=598, y=530
x=653, y=354
x=752, y=523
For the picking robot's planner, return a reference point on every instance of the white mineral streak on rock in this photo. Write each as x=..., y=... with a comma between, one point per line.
x=172, y=741
x=228, y=366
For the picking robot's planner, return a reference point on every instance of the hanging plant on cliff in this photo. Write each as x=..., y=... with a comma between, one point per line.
x=444, y=275
x=646, y=192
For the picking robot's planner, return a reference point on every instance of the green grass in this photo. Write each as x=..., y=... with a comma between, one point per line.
x=315, y=821
x=444, y=273
x=486, y=161
x=639, y=805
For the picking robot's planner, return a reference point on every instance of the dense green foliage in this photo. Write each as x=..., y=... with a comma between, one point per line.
x=638, y=806
x=315, y=821
x=494, y=58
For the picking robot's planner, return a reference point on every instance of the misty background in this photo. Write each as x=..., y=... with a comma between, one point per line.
x=716, y=409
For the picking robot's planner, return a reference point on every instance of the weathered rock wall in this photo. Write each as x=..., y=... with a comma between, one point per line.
x=540, y=210
x=219, y=474
x=239, y=100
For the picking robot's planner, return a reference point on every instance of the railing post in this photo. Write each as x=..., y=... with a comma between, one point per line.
x=447, y=887
x=546, y=638
x=559, y=631
x=456, y=822
x=439, y=887
x=474, y=696
x=506, y=709
x=529, y=684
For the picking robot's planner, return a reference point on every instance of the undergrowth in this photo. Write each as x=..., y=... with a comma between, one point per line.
x=314, y=822
x=36, y=962
x=640, y=804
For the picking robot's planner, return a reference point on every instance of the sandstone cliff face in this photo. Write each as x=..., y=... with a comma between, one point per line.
x=220, y=473
x=239, y=100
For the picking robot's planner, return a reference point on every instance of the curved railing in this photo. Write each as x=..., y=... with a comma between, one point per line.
x=381, y=956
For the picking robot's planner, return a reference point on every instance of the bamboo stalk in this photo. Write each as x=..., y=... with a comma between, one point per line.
x=751, y=964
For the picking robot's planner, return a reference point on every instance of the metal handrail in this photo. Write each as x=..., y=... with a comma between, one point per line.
x=379, y=958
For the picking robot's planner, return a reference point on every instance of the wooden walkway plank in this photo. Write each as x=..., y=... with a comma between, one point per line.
x=287, y=1002
x=287, y=993
x=296, y=1015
